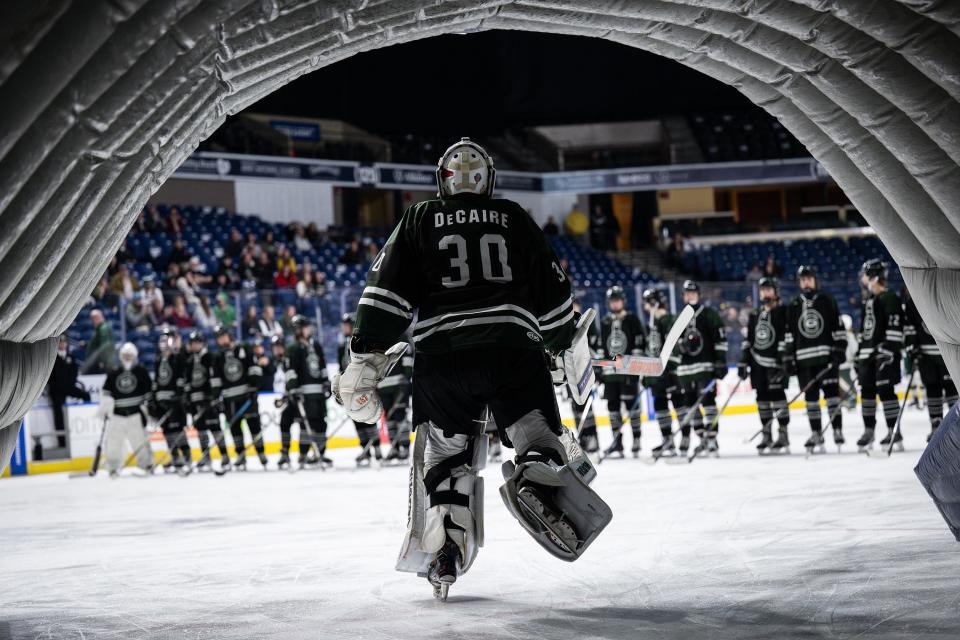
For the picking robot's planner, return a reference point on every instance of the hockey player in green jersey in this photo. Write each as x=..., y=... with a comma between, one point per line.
x=703, y=357
x=490, y=296
x=878, y=360
x=761, y=362
x=665, y=388
x=621, y=333
x=307, y=389
x=815, y=338
x=926, y=357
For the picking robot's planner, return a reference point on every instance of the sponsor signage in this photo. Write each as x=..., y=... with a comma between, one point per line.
x=307, y=131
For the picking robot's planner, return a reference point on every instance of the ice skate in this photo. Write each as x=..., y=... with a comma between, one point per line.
x=838, y=438
x=363, y=460
x=897, y=439
x=766, y=442
x=635, y=445
x=684, y=444
x=225, y=465
x=713, y=448
x=782, y=443
x=240, y=464
x=443, y=570
x=203, y=466
x=589, y=443
x=666, y=449
x=815, y=443
x=263, y=459
x=616, y=447
x=284, y=461
x=865, y=443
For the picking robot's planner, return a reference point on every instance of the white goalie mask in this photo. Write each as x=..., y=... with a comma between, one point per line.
x=465, y=168
x=128, y=355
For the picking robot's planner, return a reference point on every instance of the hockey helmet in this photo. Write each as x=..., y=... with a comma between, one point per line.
x=616, y=292
x=299, y=321
x=465, y=168
x=128, y=355
x=221, y=330
x=769, y=282
x=690, y=285
x=653, y=297
x=806, y=271
x=874, y=268
x=166, y=339
x=196, y=336
x=276, y=341
x=347, y=318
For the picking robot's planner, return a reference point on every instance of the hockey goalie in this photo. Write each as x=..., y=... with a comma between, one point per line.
x=494, y=317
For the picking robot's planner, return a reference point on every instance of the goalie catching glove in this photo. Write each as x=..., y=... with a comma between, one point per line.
x=356, y=387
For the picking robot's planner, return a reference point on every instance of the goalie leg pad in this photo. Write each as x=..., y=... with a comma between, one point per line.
x=547, y=490
x=446, y=498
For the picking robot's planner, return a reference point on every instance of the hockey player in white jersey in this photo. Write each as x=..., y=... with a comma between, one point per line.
x=490, y=298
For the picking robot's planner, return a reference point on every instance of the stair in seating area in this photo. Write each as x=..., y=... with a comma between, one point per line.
x=651, y=261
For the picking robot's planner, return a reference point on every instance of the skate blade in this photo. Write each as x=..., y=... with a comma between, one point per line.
x=441, y=591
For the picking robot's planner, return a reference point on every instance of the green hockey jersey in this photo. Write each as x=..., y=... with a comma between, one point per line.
x=881, y=325
x=620, y=336
x=476, y=271
x=305, y=369
x=703, y=346
x=657, y=333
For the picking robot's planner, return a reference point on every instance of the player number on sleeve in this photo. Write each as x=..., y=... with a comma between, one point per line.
x=489, y=243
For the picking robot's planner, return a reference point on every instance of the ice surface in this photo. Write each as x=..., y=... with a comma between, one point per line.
x=741, y=547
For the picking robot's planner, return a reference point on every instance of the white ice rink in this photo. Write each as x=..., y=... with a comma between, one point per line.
x=837, y=546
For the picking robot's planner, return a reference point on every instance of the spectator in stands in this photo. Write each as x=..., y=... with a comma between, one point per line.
x=772, y=269
x=235, y=243
x=198, y=273
x=140, y=226
x=286, y=278
x=103, y=297
x=755, y=273
x=179, y=316
x=286, y=320
x=372, y=251
x=101, y=350
x=604, y=230
x=174, y=274
x=253, y=246
x=155, y=221
x=124, y=255
x=353, y=254
x=138, y=317
x=314, y=235
x=228, y=270
x=264, y=272
x=179, y=254
x=203, y=314
x=312, y=283
x=175, y=221
x=268, y=245
x=300, y=240
x=250, y=326
x=151, y=292
x=551, y=228
x=284, y=258
x=268, y=326
x=124, y=283
x=224, y=311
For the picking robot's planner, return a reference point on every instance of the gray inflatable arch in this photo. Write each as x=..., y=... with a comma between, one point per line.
x=103, y=99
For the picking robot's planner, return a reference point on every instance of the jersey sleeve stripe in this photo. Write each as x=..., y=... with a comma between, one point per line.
x=557, y=311
x=423, y=324
x=387, y=294
x=467, y=322
x=386, y=306
x=557, y=323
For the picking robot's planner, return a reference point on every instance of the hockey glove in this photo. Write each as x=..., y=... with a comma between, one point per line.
x=719, y=370
x=743, y=371
x=105, y=408
x=837, y=356
x=789, y=366
x=356, y=387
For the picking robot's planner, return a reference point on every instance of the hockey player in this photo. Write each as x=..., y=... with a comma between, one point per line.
x=169, y=391
x=703, y=357
x=588, y=433
x=307, y=386
x=239, y=376
x=815, y=338
x=394, y=392
x=664, y=388
x=878, y=360
x=761, y=362
x=489, y=295
x=621, y=333
x=926, y=357
x=204, y=404
x=367, y=433
x=124, y=392
x=879, y=354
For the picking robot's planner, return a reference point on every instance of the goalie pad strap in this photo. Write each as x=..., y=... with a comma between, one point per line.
x=442, y=471
x=449, y=497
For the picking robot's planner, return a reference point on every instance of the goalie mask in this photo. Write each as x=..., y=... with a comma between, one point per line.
x=465, y=168
x=128, y=356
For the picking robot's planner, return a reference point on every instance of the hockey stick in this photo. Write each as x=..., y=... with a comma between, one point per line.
x=903, y=405
x=146, y=443
x=587, y=406
x=649, y=365
x=306, y=425
x=716, y=419
x=99, y=451
x=800, y=393
x=606, y=454
x=168, y=456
